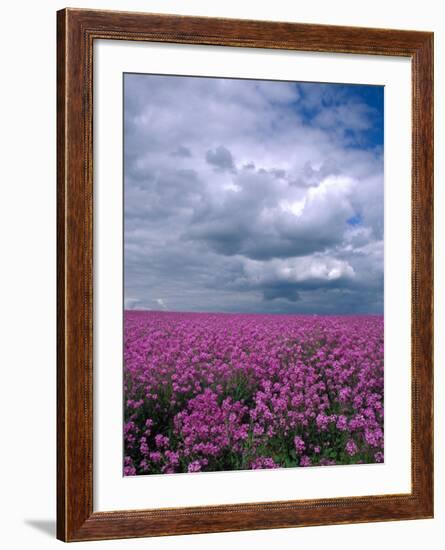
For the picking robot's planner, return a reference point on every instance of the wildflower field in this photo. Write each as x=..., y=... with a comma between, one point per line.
x=215, y=392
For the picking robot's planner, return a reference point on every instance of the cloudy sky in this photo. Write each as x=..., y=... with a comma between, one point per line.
x=252, y=196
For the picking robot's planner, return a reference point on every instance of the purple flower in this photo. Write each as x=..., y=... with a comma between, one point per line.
x=194, y=466
x=299, y=445
x=342, y=423
x=155, y=456
x=161, y=441
x=351, y=447
x=322, y=421
x=129, y=469
x=263, y=463
x=305, y=461
x=378, y=457
x=226, y=391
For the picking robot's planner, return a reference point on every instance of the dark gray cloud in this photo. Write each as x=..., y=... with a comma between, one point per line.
x=235, y=200
x=221, y=159
x=181, y=151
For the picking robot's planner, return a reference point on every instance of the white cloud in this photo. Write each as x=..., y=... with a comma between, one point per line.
x=298, y=270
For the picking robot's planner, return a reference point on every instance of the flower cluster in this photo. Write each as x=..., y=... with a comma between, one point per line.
x=213, y=392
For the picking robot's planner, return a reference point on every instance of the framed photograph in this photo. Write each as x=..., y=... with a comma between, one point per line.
x=245, y=275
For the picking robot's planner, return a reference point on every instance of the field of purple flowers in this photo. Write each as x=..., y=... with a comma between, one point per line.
x=214, y=392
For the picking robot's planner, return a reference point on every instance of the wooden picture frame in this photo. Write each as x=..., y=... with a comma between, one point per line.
x=76, y=32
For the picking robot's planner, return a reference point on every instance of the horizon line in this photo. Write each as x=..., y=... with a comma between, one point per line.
x=134, y=310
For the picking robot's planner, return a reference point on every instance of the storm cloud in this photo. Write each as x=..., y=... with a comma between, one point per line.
x=252, y=196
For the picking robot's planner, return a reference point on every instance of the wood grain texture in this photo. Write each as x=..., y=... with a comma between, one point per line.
x=76, y=32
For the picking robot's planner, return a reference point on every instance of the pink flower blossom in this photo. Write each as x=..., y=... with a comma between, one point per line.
x=351, y=447
x=206, y=392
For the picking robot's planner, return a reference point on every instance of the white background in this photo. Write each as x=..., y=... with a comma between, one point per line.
x=28, y=275
x=111, y=490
